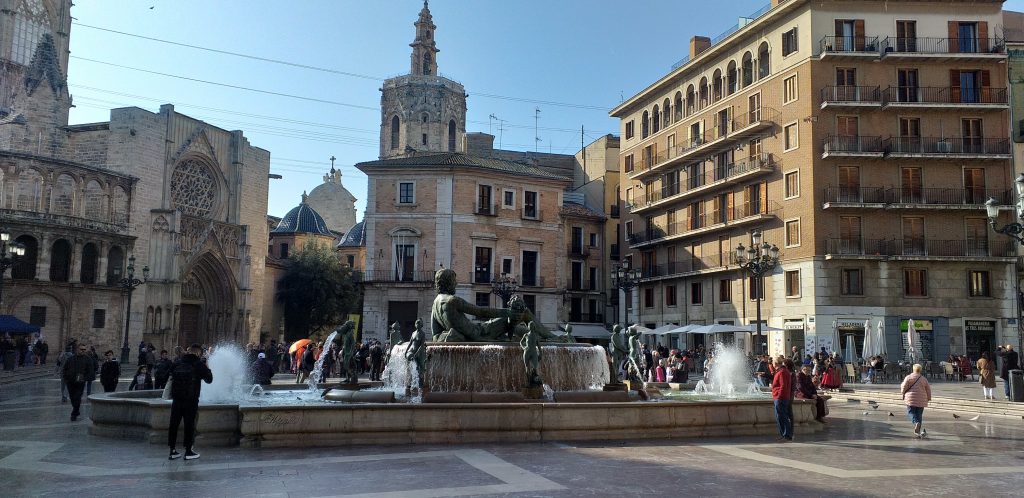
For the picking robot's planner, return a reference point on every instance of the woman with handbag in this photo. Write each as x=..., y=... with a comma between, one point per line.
x=916, y=394
x=987, y=375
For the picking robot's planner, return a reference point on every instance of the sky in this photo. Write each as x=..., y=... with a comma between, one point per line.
x=302, y=78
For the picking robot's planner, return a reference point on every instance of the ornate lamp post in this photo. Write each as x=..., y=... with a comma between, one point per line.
x=128, y=285
x=1013, y=230
x=10, y=255
x=504, y=286
x=625, y=278
x=759, y=259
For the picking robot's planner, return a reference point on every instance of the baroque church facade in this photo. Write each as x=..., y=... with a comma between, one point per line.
x=182, y=197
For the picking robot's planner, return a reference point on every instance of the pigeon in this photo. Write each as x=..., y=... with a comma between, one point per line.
x=976, y=417
x=891, y=414
x=872, y=404
x=869, y=413
x=955, y=416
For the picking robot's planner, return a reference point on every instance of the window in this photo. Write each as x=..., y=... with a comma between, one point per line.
x=907, y=87
x=978, y=284
x=530, y=205
x=405, y=262
x=423, y=140
x=966, y=36
x=852, y=282
x=630, y=125
x=906, y=36
x=350, y=259
x=792, y=184
x=724, y=290
x=670, y=295
x=747, y=69
x=530, y=301
x=99, y=319
x=529, y=269
x=756, y=288
x=628, y=166
x=576, y=276
x=483, y=299
x=789, y=90
x=451, y=136
x=764, y=67
x=484, y=200
x=482, y=267
x=593, y=278
x=792, y=233
x=792, y=136
x=37, y=316
x=793, y=283
x=506, y=266
x=915, y=282
x=645, y=125
x=406, y=193
x=648, y=298
x=509, y=198
x=284, y=251
x=696, y=293
x=593, y=240
x=394, y=133
x=789, y=42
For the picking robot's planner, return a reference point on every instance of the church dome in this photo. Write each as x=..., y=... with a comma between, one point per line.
x=334, y=202
x=303, y=219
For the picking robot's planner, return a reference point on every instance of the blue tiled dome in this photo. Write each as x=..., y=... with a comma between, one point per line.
x=303, y=219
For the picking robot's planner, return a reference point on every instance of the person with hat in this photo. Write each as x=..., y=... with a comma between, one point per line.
x=262, y=370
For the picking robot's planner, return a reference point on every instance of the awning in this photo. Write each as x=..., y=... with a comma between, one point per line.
x=590, y=331
x=662, y=330
x=12, y=325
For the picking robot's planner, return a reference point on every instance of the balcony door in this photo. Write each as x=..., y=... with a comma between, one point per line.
x=977, y=236
x=913, y=236
x=971, y=130
x=848, y=131
x=907, y=85
x=849, y=235
x=849, y=184
x=906, y=36
x=911, y=191
x=405, y=262
x=910, y=135
x=846, y=84
x=974, y=185
x=482, y=268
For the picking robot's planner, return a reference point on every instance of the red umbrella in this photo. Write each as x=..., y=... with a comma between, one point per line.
x=299, y=344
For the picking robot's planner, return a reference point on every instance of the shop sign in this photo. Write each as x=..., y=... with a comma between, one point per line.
x=919, y=325
x=847, y=323
x=793, y=325
x=979, y=326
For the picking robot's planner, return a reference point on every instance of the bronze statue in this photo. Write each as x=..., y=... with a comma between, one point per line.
x=636, y=355
x=347, y=337
x=568, y=333
x=531, y=357
x=416, y=352
x=619, y=346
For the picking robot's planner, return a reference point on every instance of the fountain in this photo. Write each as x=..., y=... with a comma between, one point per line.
x=318, y=369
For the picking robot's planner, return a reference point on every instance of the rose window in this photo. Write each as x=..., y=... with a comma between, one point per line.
x=193, y=189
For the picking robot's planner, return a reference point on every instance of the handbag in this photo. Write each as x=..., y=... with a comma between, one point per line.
x=167, y=390
x=904, y=395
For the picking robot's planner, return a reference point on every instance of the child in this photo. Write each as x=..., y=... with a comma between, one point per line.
x=141, y=380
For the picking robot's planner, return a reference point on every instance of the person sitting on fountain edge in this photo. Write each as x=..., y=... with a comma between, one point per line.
x=448, y=321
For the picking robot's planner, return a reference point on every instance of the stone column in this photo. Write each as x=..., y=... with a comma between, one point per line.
x=101, y=266
x=43, y=265
x=76, y=262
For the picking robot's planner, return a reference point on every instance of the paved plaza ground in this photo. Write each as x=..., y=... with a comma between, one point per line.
x=42, y=453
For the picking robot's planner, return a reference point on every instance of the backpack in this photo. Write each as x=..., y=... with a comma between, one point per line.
x=182, y=380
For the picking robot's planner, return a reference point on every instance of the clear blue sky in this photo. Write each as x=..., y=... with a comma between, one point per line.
x=585, y=53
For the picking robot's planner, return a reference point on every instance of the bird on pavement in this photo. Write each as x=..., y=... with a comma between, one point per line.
x=955, y=416
x=869, y=413
x=891, y=414
x=873, y=405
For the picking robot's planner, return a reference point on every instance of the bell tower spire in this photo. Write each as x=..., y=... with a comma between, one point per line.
x=424, y=50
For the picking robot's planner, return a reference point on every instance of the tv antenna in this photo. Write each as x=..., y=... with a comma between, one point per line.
x=501, y=127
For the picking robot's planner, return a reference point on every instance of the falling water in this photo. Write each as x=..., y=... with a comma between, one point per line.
x=730, y=374
x=256, y=391
x=318, y=369
x=230, y=375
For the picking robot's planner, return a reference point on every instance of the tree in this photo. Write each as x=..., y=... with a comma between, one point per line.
x=317, y=292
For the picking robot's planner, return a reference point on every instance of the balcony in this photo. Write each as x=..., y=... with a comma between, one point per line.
x=966, y=148
x=695, y=185
x=848, y=47
x=578, y=251
x=691, y=266
x=946, y=97
x=912, y=197
x=581, y=285
x=942, y=49
x=487, y=210
x=852, y=146
x=847, y=97
x=918, y=249
x=394, y=276
x=533, y=214
x=717, y=139
x=744, y=214
x=62, y=221
x=532, y=282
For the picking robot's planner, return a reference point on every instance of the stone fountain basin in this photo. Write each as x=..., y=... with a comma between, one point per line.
x=142, y=415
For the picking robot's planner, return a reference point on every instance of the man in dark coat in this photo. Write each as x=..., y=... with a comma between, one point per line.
x=110, y=372
x=162, y=370
x=262, y=370
x=1011, y=361
x=78, y=370
x=187, y=376
x=376, y=358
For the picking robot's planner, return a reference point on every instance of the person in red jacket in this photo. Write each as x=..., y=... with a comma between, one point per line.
x=782, y=393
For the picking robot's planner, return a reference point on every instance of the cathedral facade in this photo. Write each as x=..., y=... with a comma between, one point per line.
x=182, y=197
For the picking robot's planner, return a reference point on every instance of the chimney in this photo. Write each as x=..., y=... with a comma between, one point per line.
x=699, y=44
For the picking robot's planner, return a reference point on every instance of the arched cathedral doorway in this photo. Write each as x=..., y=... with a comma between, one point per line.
x=207, y=303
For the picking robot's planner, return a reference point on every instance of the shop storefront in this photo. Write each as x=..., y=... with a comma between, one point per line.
x=851, y=329
x=926, y=332
x=980, y=335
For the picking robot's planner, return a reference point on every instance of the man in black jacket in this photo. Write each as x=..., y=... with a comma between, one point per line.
x=1011, y=361
x=110, y=372
x=187, y=376
x=162, y=370
x=78, y=370
x=262, y=370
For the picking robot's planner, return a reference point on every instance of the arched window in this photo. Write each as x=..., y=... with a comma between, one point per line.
x=691, y=100
x=60, y=261
x=90, y=257
x=645, y=125
x=731, y=78
x=95, y=201
x=703, y=92
x=451, y=136
x=424, y=118
x=426, y=63
x=655, y=120
x=26, y=267
x=394, y=133
x=764, y=61
x=748, y=69
x=30, y=188
x=678, y=106
x=666, y=113
x=64, y=195
x=115, y=265
x=716, y=86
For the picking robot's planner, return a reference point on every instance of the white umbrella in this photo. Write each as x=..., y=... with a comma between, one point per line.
x=642, y=329
x=684, y=329
x=880, y=337
x=662, y=330
x=836, y=341
x=717, y=328
x=869, y=349
x=913, y=342
x=752, y=328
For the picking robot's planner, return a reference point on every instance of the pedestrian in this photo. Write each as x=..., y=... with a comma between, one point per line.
x=44, y=349
x=307, y=361
x=141, y=380
x=916, y=394
x=77, y=370
x=62, y=360
x=782, y=394
x=95, y=368
x=110, y=372
x=187, y=376
x=1011, y=361
x=987, y=376
x=376, y=358
x=796, y=356
x=262, y=370
x=162, y=370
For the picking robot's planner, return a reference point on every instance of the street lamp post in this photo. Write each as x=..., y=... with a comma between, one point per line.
x=10, y=255
x=1014, y=230
x=128, y=285
x=625, y=278
x=759, y=259
x=504, y=286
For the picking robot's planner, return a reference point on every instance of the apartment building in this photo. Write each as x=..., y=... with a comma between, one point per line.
x=860, y=137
